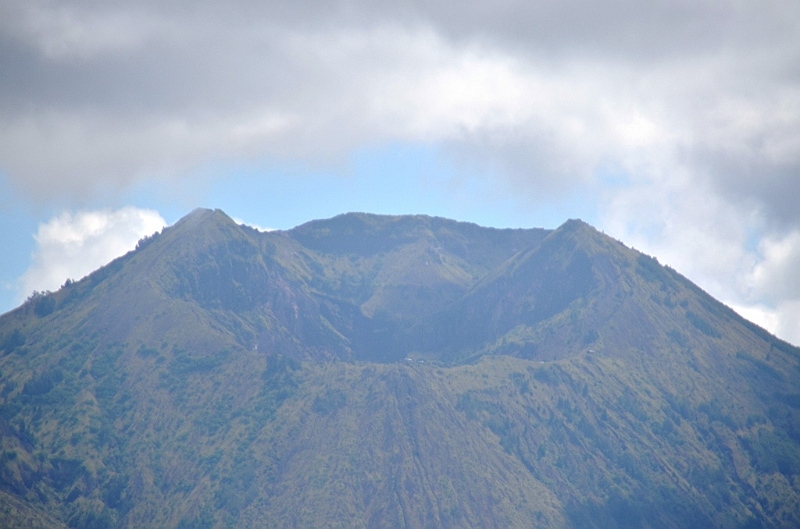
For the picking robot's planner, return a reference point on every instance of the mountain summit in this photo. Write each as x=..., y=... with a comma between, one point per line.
x=392, y=371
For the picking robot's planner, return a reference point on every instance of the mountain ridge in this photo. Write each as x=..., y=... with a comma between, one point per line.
x=392, y=371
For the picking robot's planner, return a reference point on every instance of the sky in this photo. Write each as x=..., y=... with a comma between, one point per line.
x=672, y=125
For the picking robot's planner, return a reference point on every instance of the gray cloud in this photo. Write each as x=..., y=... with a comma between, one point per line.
x=756, y=179
x=117, y=91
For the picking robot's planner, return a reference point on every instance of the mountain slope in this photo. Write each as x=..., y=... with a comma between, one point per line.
x=373, y=371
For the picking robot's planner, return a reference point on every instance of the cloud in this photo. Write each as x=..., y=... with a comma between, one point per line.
x=729, y=250
x=546, y=93
x=774, y=284
x=71, y=245
x=251, y=225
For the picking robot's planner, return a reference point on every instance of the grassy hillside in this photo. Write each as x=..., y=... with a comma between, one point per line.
x=371, y=371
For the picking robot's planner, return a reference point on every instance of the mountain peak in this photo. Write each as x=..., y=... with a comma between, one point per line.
x=575, y=224
x=577, y=227
x=202, y=216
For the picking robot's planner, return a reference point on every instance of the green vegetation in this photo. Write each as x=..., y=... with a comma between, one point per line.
x=13, y=341
x=371, y=371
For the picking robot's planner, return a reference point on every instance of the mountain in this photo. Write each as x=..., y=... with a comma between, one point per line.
x=392, y=371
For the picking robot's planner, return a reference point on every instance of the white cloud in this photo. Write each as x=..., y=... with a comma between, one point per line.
x=251, y=224
x=776, y=276
x=774, y=284
x=728, y=250
x=788, y=326
x=782, y=320
x=73, y=244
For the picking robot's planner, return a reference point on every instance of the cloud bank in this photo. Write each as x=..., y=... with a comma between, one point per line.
x=682, y=118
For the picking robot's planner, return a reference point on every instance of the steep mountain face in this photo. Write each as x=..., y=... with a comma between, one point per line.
x=374, y=371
